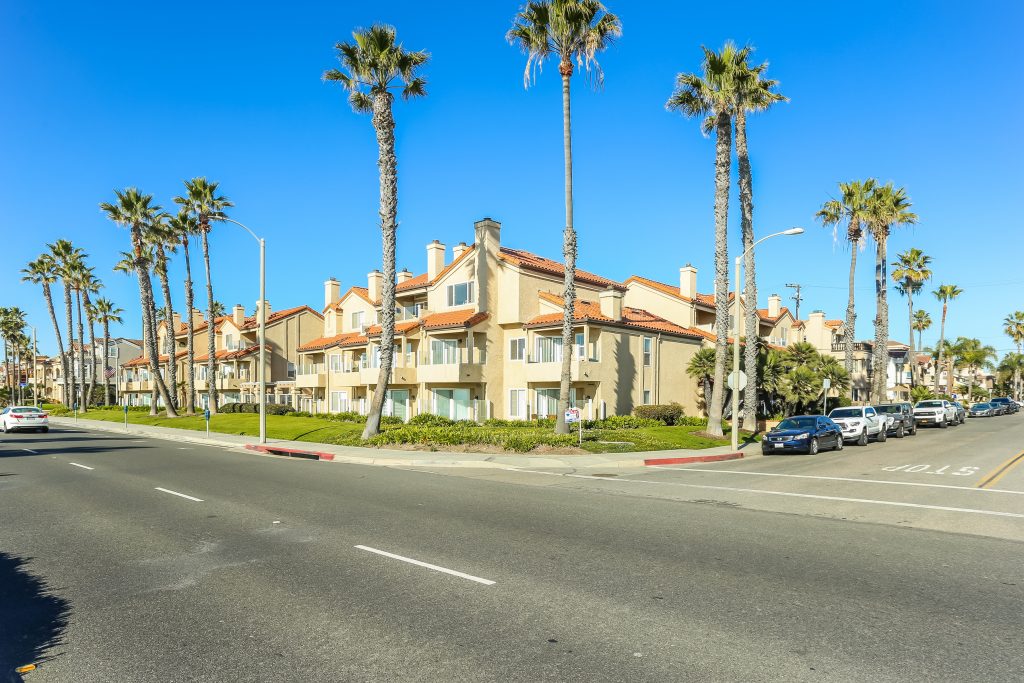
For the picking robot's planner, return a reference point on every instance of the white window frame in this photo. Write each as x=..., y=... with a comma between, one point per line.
x=291, y=370
x=515, y=402
x=517, y=344
x=335, y=362
x=453, y=288
x=647, y=397
x=648, y=351
x=357, y=319
x=554, y=353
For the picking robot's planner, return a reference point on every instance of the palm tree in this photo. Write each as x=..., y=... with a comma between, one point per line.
x=911, y=272
x=921, y=321
x=1011, y=367
x=202, y=203
x=754, y=94
x=1013, y=326
x=852, y=208
x=945, y=294
x=43, y=271
x=566, y=30
x=702, y=368
x=889, y=207
x=163, y=240
x=974, y=356
x=218, y=309
x=183, y=226
x=12, y=321
x=106, y=313
x=65, y=255
x=712, y=97
x=137, y=212
x=373, y=63
x=91, y=285
x=81, y=278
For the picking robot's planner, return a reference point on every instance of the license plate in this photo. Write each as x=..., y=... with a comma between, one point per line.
x=777, y=445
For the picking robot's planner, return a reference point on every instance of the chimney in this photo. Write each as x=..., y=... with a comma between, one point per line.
x=238, y=314
x=197, y=317
x=688, y=281
x=611, y=303
x=818, y=316
x=175, y=323
x=266, y=306
x=487, y=234
x=459, y=249
x=774, y=305
x=375, y=285
x=404, y=275
x=332, y=291
x=435, y=259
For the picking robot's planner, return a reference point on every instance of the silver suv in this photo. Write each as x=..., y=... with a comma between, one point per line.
x=859, y=423
x=937, y=412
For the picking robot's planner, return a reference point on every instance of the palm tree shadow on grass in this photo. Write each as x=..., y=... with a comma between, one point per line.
x=33, y=618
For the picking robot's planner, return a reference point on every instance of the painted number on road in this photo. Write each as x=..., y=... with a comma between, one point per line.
x=932, y=469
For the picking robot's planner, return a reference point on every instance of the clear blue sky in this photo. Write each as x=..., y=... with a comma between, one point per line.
x=98, y=96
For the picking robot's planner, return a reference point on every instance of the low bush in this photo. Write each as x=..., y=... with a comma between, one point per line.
x=668, y=414
x=692, y=421
x=430, y=420
x=624, y=422
x=391, y=421
x=462, y=433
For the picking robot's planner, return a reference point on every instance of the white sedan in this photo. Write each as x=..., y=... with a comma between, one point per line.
x=24, y=417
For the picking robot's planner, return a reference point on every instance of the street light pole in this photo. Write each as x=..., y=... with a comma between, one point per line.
x=741, y=313
x=35, y=379
x=262, y=313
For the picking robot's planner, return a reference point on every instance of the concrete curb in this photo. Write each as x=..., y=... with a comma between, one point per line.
x=291, y=452
x=698, y=458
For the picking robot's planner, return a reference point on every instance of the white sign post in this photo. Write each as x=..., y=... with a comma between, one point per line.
x=573, y=415
x=825, y=385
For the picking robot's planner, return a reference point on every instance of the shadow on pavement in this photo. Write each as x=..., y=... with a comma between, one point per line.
x=20, y=452
x=32, y=617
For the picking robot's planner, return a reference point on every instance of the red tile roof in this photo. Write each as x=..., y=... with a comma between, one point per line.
x=529, y=261
x=326, y=342
x=589, y=311
x=464, y=318
x=833, y=323
x=252, y=322
x=422, y=280
x=762, y=313
x=401, y=327
x=660, y=286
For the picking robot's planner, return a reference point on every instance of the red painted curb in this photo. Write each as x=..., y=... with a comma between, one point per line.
x=290, y=451
x=696, y=458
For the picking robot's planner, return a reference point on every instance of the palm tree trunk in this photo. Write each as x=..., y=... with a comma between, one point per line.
x=942, y=344
x=1016, y=376
x=190, y=352
x=149, y=321
x=91, y=393
x=70, y=385
x=211, y=346
x=881, y=350
x=172, y=365
x=723, y=150
x=48, y=295
x=911, y=356
x=106, y=361
x=569, y=255
x=750, y=290
x=387, y=166
x=83, y=399
x=851, y=310
x=706, y=383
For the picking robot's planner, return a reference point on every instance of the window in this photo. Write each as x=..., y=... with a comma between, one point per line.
x=732, y=322
x=229, y=342
x=335, y=361
x=647, y=353
x=517, y=404
x=357, y=320
x=549, y=350
x=291, y=370
x=581, y=351
x=647, y=397
x=460, y=294
x=202, y=372
x=407, y=312
x=444, y=351
x=785, y=335
x=547, y=402
x=111, y=351
x=339, y=401
x=517, y=348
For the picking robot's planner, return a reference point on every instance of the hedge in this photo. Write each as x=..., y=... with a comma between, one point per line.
x=668, y=414
x=462, y=433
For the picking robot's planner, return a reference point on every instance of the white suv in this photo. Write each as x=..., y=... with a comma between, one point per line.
x=935, y=412
x=860, y=423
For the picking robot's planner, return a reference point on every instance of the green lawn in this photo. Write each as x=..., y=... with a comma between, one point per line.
x=319, y=430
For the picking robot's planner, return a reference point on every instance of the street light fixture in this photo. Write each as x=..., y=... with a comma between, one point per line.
x=262, y=314
x=740, y=314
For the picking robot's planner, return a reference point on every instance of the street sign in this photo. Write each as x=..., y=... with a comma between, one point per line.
x=24, y=384
x=955, y=397
x=742, y=380
x=572, y=415
x=826, y=383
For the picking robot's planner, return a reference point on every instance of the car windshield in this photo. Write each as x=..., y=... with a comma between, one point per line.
x=797, y=423
x=930, y=404
x=845, y=412
x=979, y=406
x=1000, y=400
x=889, y=409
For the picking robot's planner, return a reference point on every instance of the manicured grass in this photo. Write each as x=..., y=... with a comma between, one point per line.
x=319, y=430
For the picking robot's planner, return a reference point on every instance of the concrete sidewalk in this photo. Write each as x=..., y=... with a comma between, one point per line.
x=404, y=458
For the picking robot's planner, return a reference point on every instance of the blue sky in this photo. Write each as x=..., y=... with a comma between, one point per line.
x=100, y=96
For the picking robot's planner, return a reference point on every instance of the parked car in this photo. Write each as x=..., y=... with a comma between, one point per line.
x=860, y=423
x=961, y=412
x=981, y=410
x=936, y=411
x=803, y=434
x=1007, y=403
x=902, y=420
x=23, y=418
x=997, y=408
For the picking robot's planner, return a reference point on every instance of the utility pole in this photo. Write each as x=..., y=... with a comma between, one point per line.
x=796, y=297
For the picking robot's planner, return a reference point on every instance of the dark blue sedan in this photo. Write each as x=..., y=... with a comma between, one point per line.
x=803, y=434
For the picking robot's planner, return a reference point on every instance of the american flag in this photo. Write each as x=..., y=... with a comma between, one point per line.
x=109, y=372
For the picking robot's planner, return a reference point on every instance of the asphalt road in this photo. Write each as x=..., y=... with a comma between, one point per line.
x=146, y=560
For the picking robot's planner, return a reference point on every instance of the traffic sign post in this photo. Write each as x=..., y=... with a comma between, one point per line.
x=206, y=415
x=76, y=411
x=126, y=417
x=742, y=380
x=573, y=415
x=825, y=385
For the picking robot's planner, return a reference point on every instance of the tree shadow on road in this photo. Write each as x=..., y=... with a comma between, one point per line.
x=33, y=618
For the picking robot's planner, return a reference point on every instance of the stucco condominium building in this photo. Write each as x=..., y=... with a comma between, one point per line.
x=479, y=336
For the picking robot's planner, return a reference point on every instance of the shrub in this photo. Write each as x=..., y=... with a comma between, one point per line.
x=668, y=414
x=624, y=422
x=692, y=421
x=391, y=421
x=461, y=433
x=430, y=420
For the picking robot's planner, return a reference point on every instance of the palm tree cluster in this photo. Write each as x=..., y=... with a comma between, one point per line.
x=1013, y=363
x=794, y=379
x=17, y=351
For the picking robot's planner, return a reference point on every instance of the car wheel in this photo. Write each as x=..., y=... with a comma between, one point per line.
x=943, y=424
x=839, y=444
x=812, y=449
x=913, y=430
x=899, y=432
x=882, y=435
x=862, y=440
x=45, y=430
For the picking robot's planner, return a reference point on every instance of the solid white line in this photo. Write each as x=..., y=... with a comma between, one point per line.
x=867, y=481
x=84, y=467
x=486, y=582
x=175, y=493
x=29, y=450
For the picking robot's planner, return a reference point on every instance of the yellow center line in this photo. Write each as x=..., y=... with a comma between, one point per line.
x=998, y=473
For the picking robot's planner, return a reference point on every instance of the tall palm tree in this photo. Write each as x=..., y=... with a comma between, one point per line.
x=106, y=313
x=702, y=368
x=945, y=294
x=374, y=65
x=712, y=98
x=910, y=274
x=754, y=94
x=184, y=226
x=137, y=212
x=851, y=207
x=218, y=309
x=202, y=203
x=921, y=321
x=65, y=255
x=164, y=240
x=974, y=356
x=81, y=278
x=1013, y=326
x=91, y=285
x=888, y=207
x=568, y=31
x=9, y=328
x=43, y=271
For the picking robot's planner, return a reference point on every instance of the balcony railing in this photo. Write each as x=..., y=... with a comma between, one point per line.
x=839, y=346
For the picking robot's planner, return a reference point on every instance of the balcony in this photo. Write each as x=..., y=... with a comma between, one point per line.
x=311, y=376
x=399, y=375
x=552, y=371
x=839, y=346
